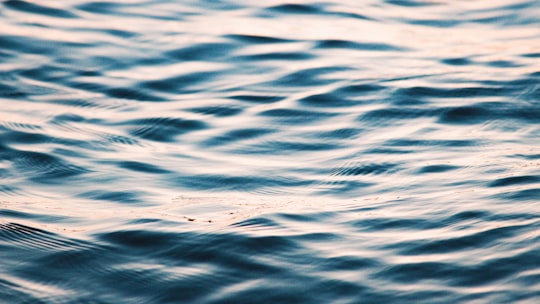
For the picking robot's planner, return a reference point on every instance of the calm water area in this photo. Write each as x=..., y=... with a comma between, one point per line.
x=236, y=151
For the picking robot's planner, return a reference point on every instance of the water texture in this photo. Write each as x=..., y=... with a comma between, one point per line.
x=234, y=151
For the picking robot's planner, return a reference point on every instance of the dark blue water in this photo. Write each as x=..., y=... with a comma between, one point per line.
x=156, y=151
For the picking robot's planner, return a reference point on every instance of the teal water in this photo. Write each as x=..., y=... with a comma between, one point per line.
x=269, y=152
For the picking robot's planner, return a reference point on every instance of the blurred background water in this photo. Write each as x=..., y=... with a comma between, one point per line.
x=379, y=151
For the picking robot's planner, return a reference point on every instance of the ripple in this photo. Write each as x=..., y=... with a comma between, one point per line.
x=295, y=9
x=236, y=183
x=218, y=111
x=343, y=44
x=8, y=190
x=258, y=98
x=296, y=116
x=326, y=100
x=437, y=168
x=131, y=94
x=44, y=168
x=349, y=263
x=163, y=129
x=255, y=223
x=502, y=64
x=410, y=3
x=78, y=103
x=38, y=9
x=113, y=196
x=276, y=56
x=343, y=133
x=396, y=114
x=7, y=91
x=122, y=140
x=257, y=39
x=467, y=115
x=379, y=224
x=289, y=146
x=25, y=137
x=33, y=238
x=203, y=52
x=532, y=55
x=307, y=77
x=141, y=167
x=364, y=169
x=236, y=135
x=420, y=92
x=35, y=45
x=179, y=83
x=484, y=239
x=524, y=195
x=457, y=61
x=49, y=73
x=434, y=22
x=102, y=7
x=443, y=143
x=514, y=180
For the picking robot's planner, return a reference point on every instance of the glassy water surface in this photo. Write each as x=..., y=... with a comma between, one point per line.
x=238, y=151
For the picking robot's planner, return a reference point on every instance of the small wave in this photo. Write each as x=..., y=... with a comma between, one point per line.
x=141, y=167
x=38, y=9
x=257, y=39
x=365, y=46
x=514, y=180
x=163, y=129
x=33, y=238
x=293, y=116
x=218, y=111
x=113, y=196
x=307, y=77
x=365, y=169
x=177, y=84
x=327, y=100
x=295, y=9
x=437, y=168
x=258, y=98
x=236, y=135
x=44, y=168
x=203, y=52
x=131, y=94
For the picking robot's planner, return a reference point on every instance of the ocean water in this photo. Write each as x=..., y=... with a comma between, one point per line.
x=235, y=151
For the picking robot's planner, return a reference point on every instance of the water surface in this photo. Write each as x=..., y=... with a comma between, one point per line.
x=272, y=152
